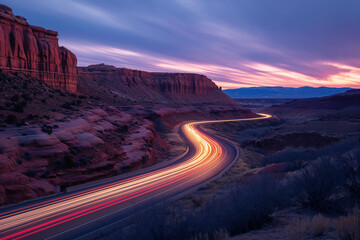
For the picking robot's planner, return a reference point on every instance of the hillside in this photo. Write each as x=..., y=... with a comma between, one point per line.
x=283, y=92
x=133, y=86
x=339, y=106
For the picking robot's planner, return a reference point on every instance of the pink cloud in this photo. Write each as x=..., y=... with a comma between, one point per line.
x=245, y=73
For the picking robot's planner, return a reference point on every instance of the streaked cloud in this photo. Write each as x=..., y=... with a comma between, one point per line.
x=245, y=75
x=234, y=42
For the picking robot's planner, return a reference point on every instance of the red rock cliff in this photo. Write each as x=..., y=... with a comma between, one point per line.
x=141, y=86
x=182, y=83
x=35, y=51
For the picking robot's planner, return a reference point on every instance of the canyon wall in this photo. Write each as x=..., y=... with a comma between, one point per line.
x=150, y=87
x=35, y=51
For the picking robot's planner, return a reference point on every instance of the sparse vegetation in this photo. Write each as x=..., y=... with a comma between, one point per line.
x=297, y=229
x=11, y=119
x=47, y=129
x=302, y=228
x=220, y=234
x=317, y=184
x=348, y=227
x=246, y=206
x=319, y=225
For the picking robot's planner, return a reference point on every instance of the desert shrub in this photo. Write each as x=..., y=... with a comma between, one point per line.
x=297, y=229
x=198, y=201
x=83, y=161
x=351, y=163
x=122, y=129
x=302, y=228
x=15, y=98
x=251, y=205
x=31, y=173
x=290, y=155
x=19, y=107
x=319, y=225
x=47, y=129
x=68, y=161
x=20, y=123
x=26, y=97
x=45, y=174
x=220, y=234
x=27, y=156
x=161, y=222
x=67, y=105
x=348, y=227
x=318, y=183
x=11, y=119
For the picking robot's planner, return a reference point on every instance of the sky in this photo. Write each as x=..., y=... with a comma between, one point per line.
x=236, y=43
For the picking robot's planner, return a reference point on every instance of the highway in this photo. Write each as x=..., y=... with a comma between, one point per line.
x=73, y=215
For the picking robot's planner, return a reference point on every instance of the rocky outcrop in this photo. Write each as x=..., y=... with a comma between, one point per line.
x=150, y=87
x=35, y=51
x=93, y=144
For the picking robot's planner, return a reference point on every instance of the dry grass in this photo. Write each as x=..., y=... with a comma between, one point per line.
x=297, y=229
x=220, y=234
x=302, y=228
x=348, y=228
x=319, y=225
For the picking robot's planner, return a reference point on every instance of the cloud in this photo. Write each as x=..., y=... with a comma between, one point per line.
x=237, y=43
x=244, y=75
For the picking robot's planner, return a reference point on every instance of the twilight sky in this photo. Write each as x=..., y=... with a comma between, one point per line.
x=237, y=43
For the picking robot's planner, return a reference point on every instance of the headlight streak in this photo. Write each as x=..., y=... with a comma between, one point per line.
x=26, y=221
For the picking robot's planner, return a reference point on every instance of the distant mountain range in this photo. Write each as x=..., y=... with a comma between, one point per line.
x=283, y=92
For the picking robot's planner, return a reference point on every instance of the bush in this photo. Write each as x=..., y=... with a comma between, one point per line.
x=251, y=205
x=68, y=161
x=122, y=129
x=351, y=163
x=348, y=227
x=47, y=129
x=11, y=119
x=220, y=234
x=301, y=228
x=15, y=98
x=67, y=105
x=26, y=97
x=319, y=225
x=318, y=183
x=297, y=229
x=19, y=107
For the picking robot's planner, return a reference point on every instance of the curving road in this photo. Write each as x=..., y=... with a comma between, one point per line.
x=73, y=215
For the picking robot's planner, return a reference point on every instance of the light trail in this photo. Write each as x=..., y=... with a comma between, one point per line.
x=28, y=221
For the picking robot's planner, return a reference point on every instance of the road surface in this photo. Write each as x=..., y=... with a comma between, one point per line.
x=72, y=215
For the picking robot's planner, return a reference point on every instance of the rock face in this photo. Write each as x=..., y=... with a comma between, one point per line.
x=152, y=87
x=35, y=51
x=93, y=144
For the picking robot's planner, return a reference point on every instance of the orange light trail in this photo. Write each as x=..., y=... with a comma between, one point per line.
x=209, y=155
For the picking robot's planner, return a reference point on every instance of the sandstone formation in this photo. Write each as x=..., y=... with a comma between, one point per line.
x=93, y=144
x=35, y=51
x=150, y=87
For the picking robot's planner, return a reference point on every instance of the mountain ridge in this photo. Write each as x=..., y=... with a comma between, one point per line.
x=283, y=92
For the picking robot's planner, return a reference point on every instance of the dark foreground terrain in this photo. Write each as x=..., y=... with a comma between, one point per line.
x=297, y=177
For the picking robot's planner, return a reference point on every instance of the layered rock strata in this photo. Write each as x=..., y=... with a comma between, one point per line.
x=35, y=51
